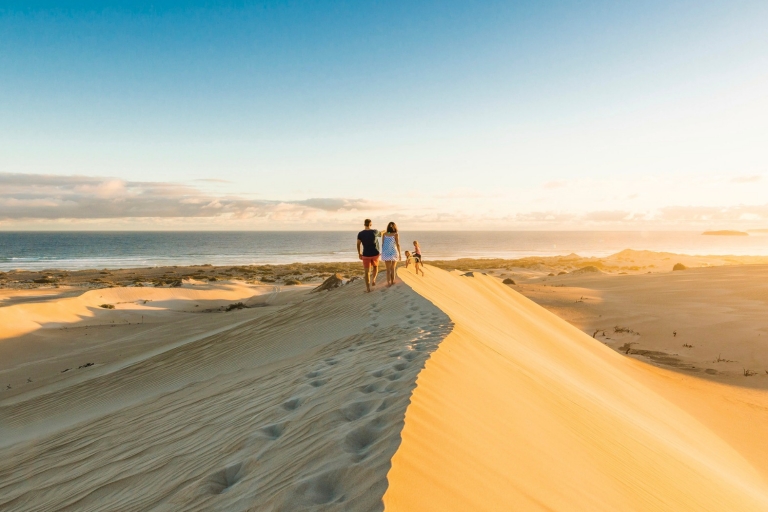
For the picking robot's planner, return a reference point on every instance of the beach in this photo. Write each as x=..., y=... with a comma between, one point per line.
x=582, y=383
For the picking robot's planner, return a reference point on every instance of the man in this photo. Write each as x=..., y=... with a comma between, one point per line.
x=368, y=252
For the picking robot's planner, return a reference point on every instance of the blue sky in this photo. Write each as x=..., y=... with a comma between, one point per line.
x=491, y=115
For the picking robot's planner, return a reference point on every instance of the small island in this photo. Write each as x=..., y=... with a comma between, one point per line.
x=726, y=232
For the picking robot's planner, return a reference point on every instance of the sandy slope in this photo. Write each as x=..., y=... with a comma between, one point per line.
x=711, y=322
x=301, y=405
x=65, y=335
x=519, y=410
x=298, y=409
x=21, y=318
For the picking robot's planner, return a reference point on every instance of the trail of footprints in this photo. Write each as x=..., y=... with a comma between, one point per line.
x=377, y=382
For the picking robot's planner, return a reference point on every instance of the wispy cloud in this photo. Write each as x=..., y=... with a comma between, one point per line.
x=336, y=204
x=554, y=184
x=54, y=200
x=464, y=193
x=607, y=216
x=746, y=179
x=703, y=214
x=36, y=196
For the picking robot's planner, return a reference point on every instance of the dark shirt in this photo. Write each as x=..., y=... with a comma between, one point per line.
x=370, y=240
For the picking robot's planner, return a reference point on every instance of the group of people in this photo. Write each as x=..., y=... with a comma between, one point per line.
x=369, y=252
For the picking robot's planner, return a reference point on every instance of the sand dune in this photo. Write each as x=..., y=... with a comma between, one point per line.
x=21, y=318
x=446, y=393
x=519, y=410
x=298, y=409
x=709, y=322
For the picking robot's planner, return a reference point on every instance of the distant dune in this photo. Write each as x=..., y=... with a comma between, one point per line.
x=726, y=232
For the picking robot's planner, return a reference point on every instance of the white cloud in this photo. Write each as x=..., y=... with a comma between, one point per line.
x=32, y=201
x=36, y=196
x=746, y=179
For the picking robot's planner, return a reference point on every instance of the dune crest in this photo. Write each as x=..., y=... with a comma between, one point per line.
x=20, y=319
x=519, y=410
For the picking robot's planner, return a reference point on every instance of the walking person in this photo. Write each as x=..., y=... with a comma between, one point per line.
x=417, y=263
x=390, y=251
x=368, y=252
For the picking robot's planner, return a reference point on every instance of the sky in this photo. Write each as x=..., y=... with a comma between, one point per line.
x=539, y=115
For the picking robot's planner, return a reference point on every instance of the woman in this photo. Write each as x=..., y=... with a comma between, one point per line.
x=390, y=251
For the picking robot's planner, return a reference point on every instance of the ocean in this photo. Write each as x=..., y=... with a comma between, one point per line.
x=82, y=250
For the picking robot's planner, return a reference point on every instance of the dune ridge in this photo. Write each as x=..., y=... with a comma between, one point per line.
x=27, y=317
x=519, y=410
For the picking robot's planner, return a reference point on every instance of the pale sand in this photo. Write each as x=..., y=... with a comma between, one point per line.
x=519, y=410
x=300, y=408
x=709, y=322
x=299, y=404
x=43, y=345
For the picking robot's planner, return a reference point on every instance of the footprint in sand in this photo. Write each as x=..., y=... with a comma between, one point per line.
x=225, y=478
x=322, y=489
x=357, y=410
x=359, y=441
x=274, y=430
x=383, y=406
x=292, y=404
x=373, y=386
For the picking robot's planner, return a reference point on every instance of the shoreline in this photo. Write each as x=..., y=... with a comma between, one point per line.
x=114, y=250
x=624, y=262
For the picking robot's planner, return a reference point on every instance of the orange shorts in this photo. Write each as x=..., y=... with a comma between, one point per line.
x=370, y=260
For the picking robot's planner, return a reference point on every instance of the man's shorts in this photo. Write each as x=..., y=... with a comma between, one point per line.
x=370, y=260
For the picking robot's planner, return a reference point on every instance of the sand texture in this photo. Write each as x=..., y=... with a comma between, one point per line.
x=298, y=409
x=709, y=322
x=519, y=410
x=447, y=392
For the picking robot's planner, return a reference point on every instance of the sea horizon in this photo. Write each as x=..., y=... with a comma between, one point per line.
x=73, y=250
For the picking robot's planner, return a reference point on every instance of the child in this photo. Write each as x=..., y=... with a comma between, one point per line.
x=417, y=257
x=407, y=258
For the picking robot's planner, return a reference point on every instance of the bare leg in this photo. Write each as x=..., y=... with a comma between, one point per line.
x=394, y=271
x=368, y=279
x=375, y=272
